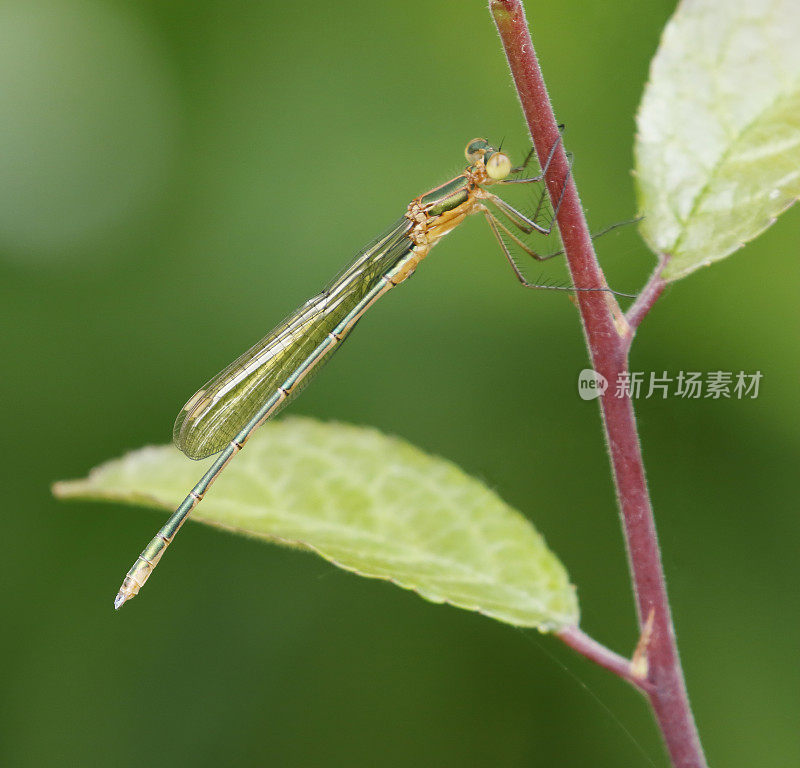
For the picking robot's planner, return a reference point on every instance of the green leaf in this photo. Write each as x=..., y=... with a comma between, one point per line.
x=369, y=503
x=718, y=143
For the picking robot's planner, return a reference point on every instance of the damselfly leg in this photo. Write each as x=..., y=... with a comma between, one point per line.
x=527, y=225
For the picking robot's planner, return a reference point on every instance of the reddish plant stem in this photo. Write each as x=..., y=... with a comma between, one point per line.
x=607, y=336
x=644, y=301
x=579, y=641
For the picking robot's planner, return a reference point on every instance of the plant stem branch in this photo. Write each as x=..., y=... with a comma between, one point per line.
x=649, y=295
x=587, y=646
x=608, y=336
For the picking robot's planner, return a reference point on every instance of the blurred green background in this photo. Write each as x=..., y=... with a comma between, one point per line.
x=175, y=177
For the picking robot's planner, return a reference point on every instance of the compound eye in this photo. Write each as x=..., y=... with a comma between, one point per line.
x=475, y=149
x=498, y=166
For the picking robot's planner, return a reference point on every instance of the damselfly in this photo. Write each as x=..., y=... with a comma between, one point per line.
x=222, y=415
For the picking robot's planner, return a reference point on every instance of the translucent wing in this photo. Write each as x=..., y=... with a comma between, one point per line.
x=217, y=412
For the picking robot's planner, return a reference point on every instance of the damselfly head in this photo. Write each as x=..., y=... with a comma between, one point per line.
x=497, y=164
